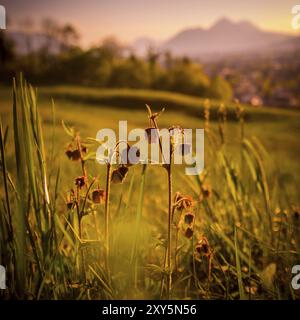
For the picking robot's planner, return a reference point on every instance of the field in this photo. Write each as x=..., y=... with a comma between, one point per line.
x=236, y=239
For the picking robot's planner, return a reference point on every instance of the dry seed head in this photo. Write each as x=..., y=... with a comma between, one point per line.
x=203, y=247
x=80, y=181
x=183, y=202
x=98, y=196
x=189, y=218
x=75, y=154
x=119, y=174
x=188, y=232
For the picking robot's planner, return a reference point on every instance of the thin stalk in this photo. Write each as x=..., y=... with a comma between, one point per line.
x=133, y=260
x=106, y=232
x=170, y=191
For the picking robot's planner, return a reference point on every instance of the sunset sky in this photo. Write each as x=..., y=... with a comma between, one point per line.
x=158, y=19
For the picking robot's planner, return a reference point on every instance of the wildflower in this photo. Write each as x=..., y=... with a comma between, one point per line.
x=183, y=202
x=118, y=175
x=189, y=218
x=98, y=195
x=202, y=247
x=75, y=154
x=189, y=232
x=80, y=181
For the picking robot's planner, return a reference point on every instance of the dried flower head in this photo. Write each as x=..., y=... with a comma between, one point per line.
x=119, y=174
x=203, y=247
x=189, y=232
x=75, y=154
x=183, y=202
x=189, y=218
x=98, y=196
x=80, y=181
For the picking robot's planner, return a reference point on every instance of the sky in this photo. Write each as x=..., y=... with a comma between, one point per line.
x=157, y=19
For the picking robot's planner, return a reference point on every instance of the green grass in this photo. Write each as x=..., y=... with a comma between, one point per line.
x=245, y=194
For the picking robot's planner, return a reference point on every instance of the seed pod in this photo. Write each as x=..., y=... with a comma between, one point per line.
x=189, y=218
x=98, y=196
x=189, y=232
x=80, y=181
x=118, y=175
x=152, y=134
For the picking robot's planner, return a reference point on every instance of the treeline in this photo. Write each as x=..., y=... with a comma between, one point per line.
x=61, y=61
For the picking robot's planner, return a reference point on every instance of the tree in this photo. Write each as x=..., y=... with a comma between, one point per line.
x=6, y=49
x=220, y=89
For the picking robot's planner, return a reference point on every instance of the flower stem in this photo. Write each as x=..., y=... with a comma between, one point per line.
x=106, y=232
x=170, y=191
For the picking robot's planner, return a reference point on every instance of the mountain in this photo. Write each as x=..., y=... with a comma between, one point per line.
x=223, y=37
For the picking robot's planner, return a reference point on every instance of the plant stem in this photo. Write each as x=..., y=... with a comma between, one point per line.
x=106, y=232
x=169, y=280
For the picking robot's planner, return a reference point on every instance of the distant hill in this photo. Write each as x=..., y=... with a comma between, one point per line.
x=225, y=37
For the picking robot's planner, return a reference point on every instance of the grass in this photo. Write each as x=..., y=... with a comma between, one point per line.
x=245, y=202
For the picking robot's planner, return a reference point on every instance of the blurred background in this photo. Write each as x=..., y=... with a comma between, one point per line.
x=209, y=49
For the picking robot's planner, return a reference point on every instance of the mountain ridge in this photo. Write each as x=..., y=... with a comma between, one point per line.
x=223, y=37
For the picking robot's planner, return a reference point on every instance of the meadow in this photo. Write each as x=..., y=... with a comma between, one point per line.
x=230, y=233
